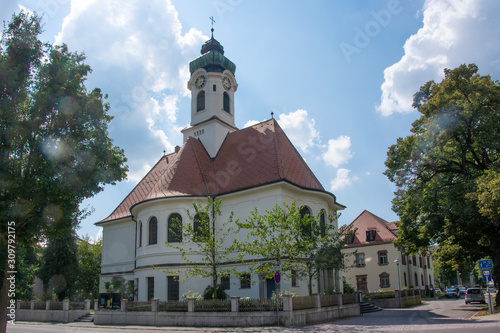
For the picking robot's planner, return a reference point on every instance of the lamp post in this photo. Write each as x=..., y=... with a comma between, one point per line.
x=399, y=282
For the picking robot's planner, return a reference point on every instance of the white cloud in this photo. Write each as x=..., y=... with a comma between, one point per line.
x=250, y=123
x=342, y=180
x=139, y=56
x=454, y=32
x=300, y=129
x=136, y=175
x=338, y=151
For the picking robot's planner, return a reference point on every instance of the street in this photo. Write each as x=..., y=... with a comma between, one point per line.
x=434, y=316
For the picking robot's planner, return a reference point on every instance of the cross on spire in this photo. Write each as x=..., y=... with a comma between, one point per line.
x=213, y=21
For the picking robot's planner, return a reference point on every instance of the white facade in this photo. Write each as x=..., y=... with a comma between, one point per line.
x=120, y=237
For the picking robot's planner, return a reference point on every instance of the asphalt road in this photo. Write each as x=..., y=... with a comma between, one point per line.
x=435, y=316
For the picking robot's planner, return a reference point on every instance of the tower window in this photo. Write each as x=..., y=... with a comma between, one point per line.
x=200, y=101
x=225, y=102
x=214, y=87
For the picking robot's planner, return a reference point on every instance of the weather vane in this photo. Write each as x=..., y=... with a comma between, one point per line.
x=213, y=21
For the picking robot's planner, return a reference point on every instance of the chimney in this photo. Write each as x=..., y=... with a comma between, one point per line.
x=177, y=148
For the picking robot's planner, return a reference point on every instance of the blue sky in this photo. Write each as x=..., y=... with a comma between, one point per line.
x=338, y=75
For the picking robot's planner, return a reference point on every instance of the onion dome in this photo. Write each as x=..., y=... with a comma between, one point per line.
x=212, y=58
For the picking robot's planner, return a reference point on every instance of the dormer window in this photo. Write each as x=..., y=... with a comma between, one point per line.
x=200, y=101
x=370, y=235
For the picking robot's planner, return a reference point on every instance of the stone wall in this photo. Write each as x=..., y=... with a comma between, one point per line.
x=311, y=311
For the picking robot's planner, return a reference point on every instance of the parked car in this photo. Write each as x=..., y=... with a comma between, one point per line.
x=437, y=290
x=462, y=289
x=474, y=295
x=452, y=292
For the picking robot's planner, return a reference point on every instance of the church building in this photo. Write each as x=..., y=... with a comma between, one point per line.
x=245, y=168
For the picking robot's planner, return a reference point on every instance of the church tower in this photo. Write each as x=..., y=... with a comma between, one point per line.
x=212, y=85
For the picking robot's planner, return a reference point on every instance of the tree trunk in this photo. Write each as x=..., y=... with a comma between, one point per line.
x=310, y=280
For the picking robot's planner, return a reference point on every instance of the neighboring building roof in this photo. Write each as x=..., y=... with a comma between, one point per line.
x=257, y=155
x=384, y=231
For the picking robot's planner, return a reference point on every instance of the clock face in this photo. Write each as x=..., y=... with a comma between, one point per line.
x=200, y=81
x=226, y=83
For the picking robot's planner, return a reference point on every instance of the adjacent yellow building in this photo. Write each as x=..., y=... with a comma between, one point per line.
x=375, y=260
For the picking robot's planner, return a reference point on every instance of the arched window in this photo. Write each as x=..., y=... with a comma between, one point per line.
x=305, y=228
x=139, y=241
x=225, y=102
x=153, y=231
x=200, y=101
x=322, y=222
x=422, y=278
x=174, y=231
x=416, y=280
x=201, y=227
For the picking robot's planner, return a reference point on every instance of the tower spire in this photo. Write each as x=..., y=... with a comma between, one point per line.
x=213, y=21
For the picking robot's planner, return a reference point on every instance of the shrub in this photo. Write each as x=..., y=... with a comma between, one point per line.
x=219, y=293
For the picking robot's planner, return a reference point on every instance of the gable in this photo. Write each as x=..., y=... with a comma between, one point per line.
x=372, y=229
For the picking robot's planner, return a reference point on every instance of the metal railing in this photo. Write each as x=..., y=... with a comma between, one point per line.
x=173, y=306
x=256, y=304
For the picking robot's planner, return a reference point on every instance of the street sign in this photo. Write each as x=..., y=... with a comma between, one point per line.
x=485, y=264
x=277, y=277
x=486, y=275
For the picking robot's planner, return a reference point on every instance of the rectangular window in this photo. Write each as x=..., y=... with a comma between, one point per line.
x=151, y=288
x=420, y=260
x=360, y=260
x=415, y=262
x=294, y=278
x=172, y=288
x=245, y=281
x=370, y=235
x=428, y=262
x=225, y=281
x=384, y=280
x=382, y=258
x=403, y=259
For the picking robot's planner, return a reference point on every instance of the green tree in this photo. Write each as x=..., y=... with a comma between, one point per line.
x=204, y=244
x=54, y=144
x=298, y=244
x=59, y=267
x=446, y=171
x=89, y=267
x=320, y=248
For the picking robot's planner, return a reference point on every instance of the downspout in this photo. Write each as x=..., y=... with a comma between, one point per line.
x=214, y=254
x=135, y=244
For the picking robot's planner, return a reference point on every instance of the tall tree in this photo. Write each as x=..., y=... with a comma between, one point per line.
x=89, y=267
x=54, y=144
x=204, y=243
x=59, y=266
x=446, y=172
x=298, y=244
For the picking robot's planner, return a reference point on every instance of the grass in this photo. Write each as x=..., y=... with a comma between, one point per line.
x=485, y=311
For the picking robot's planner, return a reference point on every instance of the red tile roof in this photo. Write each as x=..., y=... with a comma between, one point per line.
x=385, y=231
x=257, y=155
